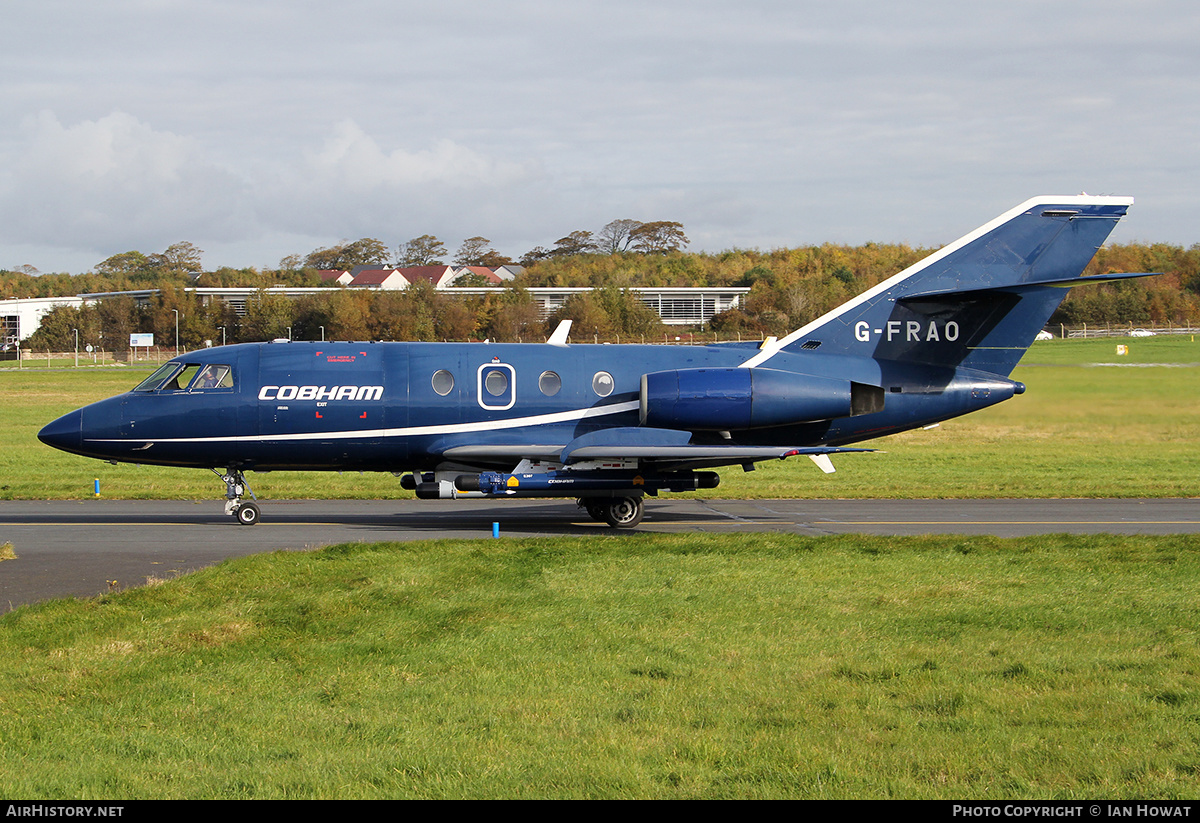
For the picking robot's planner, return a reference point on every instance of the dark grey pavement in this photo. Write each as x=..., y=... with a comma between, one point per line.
x=74, y=548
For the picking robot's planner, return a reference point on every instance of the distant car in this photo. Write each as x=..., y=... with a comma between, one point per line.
x=1044, y=335
x=1140, y=333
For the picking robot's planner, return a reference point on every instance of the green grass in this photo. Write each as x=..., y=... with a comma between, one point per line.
x=641, y=665
x=653, y=666
x=58, y=362
x=1163, y=349
x=1081, y=430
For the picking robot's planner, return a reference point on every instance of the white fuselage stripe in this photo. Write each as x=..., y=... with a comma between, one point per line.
x=412, y=431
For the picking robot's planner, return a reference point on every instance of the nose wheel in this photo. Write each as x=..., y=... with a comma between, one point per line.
x=244, y=511
x=247, y=514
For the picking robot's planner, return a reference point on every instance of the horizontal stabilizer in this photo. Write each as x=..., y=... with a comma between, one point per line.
x=1065, y=282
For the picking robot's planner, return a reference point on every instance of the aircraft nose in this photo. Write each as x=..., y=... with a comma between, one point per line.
x=65, y=433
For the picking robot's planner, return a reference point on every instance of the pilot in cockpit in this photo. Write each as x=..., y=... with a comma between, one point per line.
x=211, y=377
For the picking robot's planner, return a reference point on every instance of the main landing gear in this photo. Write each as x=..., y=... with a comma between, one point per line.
x=618, y=512
x=245, y=511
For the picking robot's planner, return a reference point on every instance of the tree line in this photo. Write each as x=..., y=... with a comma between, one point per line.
x=417, y=313
x=658, y=237
x=788, y=288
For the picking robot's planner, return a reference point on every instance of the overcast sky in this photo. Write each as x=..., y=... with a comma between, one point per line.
x=260, y=129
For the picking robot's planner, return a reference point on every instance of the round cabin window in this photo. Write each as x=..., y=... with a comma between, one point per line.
x=496, y=382
x=550, y=383
x=602, y=384
x=443, y=382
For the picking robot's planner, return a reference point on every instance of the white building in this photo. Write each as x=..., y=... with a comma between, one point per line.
x=20, y=318
x=676, y=306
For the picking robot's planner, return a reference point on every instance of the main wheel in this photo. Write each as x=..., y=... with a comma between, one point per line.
x=624, y=512
x=596, y=509
x=247, y=514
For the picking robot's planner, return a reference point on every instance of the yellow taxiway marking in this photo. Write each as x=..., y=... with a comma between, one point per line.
x=714, y=521
x=1010, y=522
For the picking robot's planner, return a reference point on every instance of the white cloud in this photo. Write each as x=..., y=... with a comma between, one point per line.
x=111, y=183
x=761, y=123
x=116, y=183
x=353, y=160
x=352, y=186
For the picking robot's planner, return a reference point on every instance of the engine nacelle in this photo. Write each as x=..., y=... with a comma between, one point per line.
x=733, y=399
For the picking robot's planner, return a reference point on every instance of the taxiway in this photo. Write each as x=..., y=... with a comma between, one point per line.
x=78, y=548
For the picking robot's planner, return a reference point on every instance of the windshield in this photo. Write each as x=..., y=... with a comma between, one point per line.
x=159, y=377
x=190, y=376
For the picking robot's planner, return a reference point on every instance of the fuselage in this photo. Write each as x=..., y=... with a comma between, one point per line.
x=400, y=406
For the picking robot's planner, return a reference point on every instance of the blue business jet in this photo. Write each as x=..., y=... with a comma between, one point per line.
x=609, y=424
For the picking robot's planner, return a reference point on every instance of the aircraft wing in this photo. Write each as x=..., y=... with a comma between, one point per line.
x=665, y=449
x=503, y=453
x=680, y=458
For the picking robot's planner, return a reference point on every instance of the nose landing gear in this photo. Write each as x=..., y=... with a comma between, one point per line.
x=245, y=511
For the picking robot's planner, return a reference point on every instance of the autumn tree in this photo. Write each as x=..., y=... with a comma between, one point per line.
x=268, y=317
x=365, y=252
x=617, y=236
x=404, y=315
x=659, y=237
x=324, y=258
x=124, y=265
x=425, y=250
x=577, y=242
x=350, y=316
x=587, y=314
x=54, y=333
x=478, y=251
x=628, y=314
x=535, y=255
x=513, y=316
x=118, y=318
x=196, y=322
x=178, y=259
x=454, y=317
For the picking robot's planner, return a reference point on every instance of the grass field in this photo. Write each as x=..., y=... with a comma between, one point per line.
x=642, y=665
x=649, y=666
x=1081, y=430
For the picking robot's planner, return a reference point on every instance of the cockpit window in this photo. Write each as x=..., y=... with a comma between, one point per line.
x=180, y=381
x=191, y=376
x=213, y=376
x=159, y=377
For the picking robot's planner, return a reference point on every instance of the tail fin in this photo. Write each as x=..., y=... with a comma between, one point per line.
x=978, y=302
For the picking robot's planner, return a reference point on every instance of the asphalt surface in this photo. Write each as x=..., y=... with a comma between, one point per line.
x=79, y=548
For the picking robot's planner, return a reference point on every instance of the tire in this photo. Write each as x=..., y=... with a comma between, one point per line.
x=624, y=512
x=596, y=509
x=247, y=514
